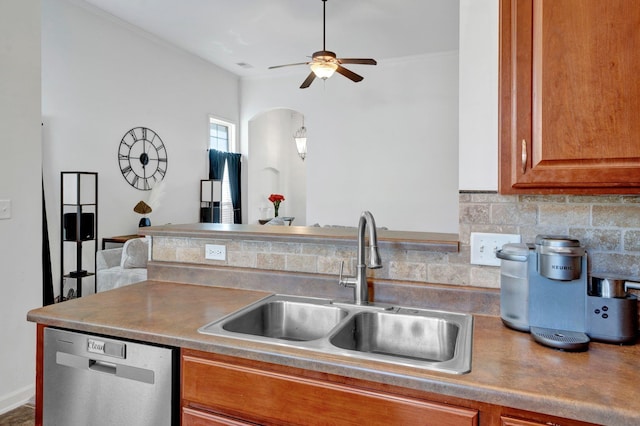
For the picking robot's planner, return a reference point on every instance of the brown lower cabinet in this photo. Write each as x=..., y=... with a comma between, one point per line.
x=223, y=390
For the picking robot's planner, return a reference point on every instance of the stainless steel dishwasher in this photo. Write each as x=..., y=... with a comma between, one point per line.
x=100, y=381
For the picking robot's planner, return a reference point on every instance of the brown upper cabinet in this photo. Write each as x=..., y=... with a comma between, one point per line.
x=569, y=96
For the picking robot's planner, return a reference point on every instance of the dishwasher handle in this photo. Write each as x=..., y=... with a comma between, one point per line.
x=118, y=370
x=103, y=366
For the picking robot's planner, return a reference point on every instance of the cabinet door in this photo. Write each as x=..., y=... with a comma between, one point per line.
x=265, y=396
x=569, y=96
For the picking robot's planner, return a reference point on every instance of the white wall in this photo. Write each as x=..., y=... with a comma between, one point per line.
x=20, y=182
x=388, y=144
x=478, y=161
x=275, y=167
x=100, y=78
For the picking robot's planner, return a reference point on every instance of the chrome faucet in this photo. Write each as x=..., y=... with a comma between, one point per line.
x=359, y=282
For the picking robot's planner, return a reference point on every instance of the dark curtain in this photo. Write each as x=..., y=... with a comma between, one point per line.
x=47, y=277
x=216, y=171
x=216, y=163
x=234, y=166
x=217, y=160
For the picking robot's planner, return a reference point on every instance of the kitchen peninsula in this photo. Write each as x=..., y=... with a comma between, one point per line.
x=513, y=380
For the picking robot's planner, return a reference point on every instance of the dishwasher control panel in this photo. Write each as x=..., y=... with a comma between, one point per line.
x=114, y=349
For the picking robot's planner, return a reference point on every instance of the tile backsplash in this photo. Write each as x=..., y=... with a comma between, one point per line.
x=609, y=227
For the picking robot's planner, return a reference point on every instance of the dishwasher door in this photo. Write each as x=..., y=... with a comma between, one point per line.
x=93, y=380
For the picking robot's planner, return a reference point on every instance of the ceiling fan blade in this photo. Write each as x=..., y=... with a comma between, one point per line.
x=349, y=74
x=288, y=65
x=361, y=61
x=307, y=82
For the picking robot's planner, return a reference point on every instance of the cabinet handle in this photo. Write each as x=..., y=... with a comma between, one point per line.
x=524, y=155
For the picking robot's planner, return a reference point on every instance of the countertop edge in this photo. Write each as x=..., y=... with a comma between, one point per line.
x=430, y=241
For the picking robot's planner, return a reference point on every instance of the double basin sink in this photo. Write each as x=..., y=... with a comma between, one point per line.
x=421, y=338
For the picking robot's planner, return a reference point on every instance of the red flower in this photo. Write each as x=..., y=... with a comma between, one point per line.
x=276, y=197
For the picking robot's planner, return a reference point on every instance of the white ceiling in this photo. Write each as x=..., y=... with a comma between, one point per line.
x=262, y=33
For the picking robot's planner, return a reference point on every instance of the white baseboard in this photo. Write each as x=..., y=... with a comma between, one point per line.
x=16, y=399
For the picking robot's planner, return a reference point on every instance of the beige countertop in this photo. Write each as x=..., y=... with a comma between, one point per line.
x=508, y=367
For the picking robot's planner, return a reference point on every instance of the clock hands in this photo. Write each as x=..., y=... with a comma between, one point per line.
x=144, y=159
x=139, y=148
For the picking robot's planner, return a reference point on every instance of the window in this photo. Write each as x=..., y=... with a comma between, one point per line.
x=222, y=136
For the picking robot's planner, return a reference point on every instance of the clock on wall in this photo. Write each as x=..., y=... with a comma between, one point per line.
x=142, y=157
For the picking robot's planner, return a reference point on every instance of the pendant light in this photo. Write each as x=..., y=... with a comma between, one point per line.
x=300, y=136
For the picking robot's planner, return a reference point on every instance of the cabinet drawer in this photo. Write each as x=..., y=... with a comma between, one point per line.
x=200, y=418
x=510, y=421
x=265, y=396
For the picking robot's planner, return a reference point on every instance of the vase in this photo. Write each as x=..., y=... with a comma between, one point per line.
x=275, y=210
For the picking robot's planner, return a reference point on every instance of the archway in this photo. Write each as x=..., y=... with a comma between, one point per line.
x=274, y=166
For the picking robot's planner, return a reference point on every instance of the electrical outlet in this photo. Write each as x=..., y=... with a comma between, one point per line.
x=215, y=252
x=484, y=247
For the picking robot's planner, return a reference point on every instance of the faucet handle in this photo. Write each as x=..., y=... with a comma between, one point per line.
x=340, y=280
x=345, y=281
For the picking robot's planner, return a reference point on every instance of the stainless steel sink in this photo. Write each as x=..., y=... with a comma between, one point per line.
x=421, y=338
x=281, y=319
x=426, y=338
x=288, y=320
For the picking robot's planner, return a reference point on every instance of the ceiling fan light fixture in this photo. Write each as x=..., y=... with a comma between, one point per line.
x=323, y=70
x=324, y=63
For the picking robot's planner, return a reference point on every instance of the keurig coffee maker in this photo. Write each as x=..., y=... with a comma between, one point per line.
x=543, y=290
x=557, y=293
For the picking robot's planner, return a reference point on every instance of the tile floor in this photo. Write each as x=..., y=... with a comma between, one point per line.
x=21, y=416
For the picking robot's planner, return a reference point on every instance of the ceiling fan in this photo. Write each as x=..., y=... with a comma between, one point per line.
x=324, y=62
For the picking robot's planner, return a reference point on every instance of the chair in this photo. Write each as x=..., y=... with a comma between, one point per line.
x=119, y=267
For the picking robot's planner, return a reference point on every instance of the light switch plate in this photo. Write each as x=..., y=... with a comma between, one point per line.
x=5, y=209
x=484, y=247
